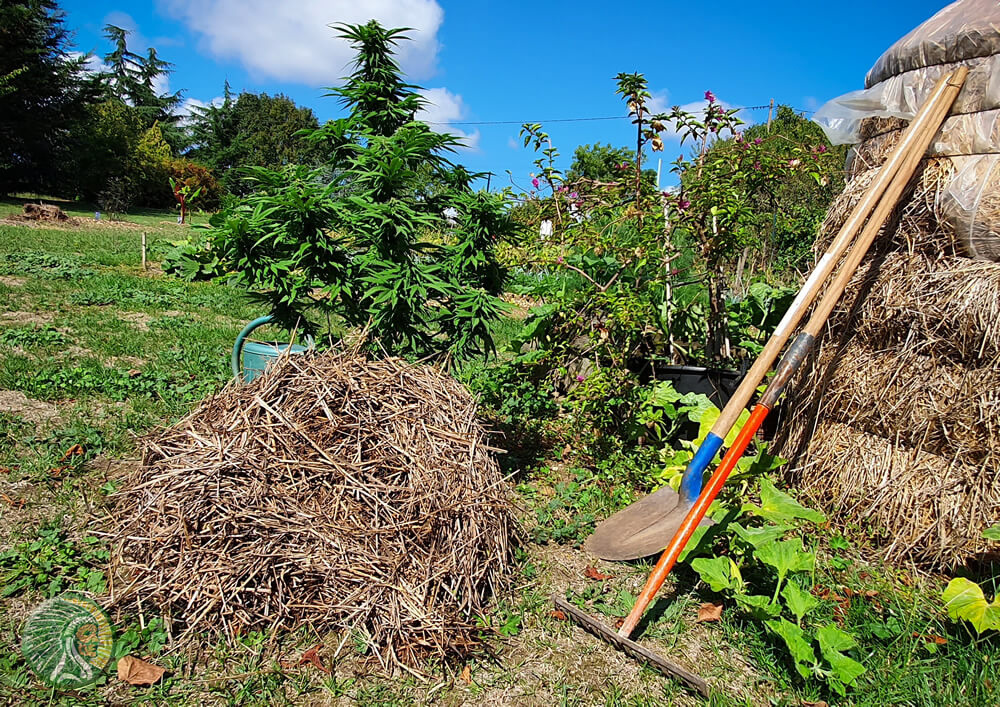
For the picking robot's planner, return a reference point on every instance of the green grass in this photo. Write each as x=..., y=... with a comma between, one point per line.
x=108, y=352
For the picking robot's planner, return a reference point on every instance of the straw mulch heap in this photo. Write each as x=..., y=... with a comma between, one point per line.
x=332, y=491
x=896, y=423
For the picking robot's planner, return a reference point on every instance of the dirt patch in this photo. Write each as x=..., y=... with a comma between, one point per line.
x=11, y=281
x=26, y=317
x=520, y=305
x=140, y=320
x=15, y=402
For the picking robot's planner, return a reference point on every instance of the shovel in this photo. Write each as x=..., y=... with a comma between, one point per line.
x=644, y=527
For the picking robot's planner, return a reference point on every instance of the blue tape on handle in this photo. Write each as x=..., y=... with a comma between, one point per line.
x=693, y=475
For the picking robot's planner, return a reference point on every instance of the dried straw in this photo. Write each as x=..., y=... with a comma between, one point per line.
x=346, y=494
x=895, y=421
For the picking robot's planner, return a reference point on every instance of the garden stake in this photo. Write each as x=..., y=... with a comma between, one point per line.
x=642, y=528
x=937, y=107
x=919, y=135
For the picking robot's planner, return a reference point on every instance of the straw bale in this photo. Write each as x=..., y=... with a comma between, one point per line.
x=345, y=494
x=917, y=506
x=946, y=308
x=921, y=402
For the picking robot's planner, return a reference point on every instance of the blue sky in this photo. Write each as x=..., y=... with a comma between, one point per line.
x=520, y=61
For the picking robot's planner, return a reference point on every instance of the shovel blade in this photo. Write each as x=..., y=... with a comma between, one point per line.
x=644, y=528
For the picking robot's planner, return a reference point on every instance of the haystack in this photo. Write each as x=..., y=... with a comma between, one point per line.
x=349, y=495
x=896, y=420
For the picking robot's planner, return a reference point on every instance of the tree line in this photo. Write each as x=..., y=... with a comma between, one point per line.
x=112, y=136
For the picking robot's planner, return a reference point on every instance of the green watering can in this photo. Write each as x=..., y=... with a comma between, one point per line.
x=250, y=358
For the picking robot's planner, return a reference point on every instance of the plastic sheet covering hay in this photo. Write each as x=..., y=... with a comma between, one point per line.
x=967, y=150
x=350, y=495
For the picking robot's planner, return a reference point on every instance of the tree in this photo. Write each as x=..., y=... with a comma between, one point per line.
x=132, y=78
x=44, y=94
x=253, y=129
x=355, y=248
x=600, y=163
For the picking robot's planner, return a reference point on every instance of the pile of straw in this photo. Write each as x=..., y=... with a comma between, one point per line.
x=895, y=421
x=336, y=492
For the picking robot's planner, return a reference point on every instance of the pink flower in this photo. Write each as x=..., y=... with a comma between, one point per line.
x=683, y=204
x=756, y=165
x=794, y=163
x=758, y=141
x=562, y=188
x=559, y=260
x=572, y=195
x=579, y=378
x=534, y=182
x=821, y=149
x=709, y=96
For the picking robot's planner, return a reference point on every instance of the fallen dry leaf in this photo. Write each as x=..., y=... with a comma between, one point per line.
x=15, y=503
x=619, y=623
x=138, y=672
x=75, y=451
x=592, y=573
x=311, y=657
x=556, y=614
x=709, y=612
x=940, y=640
x=821, y=703
x=466, y=675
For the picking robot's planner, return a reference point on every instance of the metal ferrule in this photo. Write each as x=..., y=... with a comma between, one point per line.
x=787, y=368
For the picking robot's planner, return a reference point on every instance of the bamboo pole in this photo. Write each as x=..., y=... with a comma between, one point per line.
x=144, y=251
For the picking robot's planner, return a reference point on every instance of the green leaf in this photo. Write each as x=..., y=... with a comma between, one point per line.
x=714, y=571
x=798, y=645
x=786, y=556
x=799, y=601
x=779, y=507
x=964, y=599
x=758, y=537
x=992, y=533
x=831, y=642
x=760, y=607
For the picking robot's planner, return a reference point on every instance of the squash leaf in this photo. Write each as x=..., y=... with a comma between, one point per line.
x=799, y=646
x=714, y=571
x=965, y=600
x=831, y=642
x=798, y=601
x=779, y=507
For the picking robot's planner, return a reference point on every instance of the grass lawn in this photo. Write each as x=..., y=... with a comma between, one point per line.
x=95, y=352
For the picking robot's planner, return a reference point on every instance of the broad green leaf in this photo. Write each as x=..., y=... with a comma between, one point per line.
x=831, y=642
x=799, y=601
x=707, y=418
x=714, y=571
x=992, y=533
x=965, y=600
x=760, y=536
x=786, y=556
x=760, y=607
x=798, y=645
x=693, y=544
x=779, y=507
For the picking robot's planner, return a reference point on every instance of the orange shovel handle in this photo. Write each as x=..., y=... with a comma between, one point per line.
x=694, y=516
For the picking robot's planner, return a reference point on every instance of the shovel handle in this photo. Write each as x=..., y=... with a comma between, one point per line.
x=694, y=516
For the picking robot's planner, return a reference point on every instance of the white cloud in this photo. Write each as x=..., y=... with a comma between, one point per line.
x=93, y=63
x=292, y=41
x=513, y=143
x=443, y=108
x=659, y=102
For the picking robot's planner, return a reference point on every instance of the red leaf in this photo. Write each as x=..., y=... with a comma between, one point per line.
x=311, y=657
x=592, y=573
x=939, y=640
x=556, y=614
x=709, y=612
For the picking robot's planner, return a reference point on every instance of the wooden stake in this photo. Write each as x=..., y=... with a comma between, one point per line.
x=770, y=112
x=144, y=251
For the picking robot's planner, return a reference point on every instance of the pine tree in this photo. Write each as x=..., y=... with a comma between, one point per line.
x=44, y=95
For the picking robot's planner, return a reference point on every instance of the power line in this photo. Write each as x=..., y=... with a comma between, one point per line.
x=572, y=120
